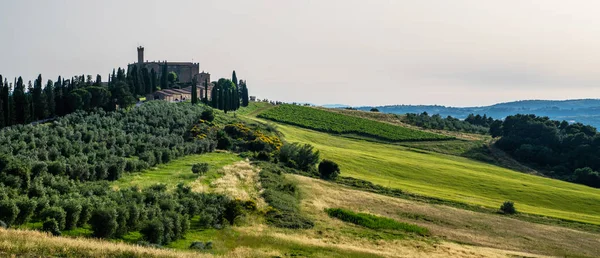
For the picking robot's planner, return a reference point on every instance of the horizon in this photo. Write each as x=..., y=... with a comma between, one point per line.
x=375, y=54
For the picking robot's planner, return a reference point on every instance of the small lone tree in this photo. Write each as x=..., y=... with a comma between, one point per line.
x=200, y=168
x=508, y=207
x=328, y=170
x=374, y=110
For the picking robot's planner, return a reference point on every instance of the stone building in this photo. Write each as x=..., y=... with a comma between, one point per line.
x=185, y=71
x=175, y=95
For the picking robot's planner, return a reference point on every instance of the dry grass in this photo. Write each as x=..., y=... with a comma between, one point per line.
x=24, y=243
x=238, y=180
x=492, y=234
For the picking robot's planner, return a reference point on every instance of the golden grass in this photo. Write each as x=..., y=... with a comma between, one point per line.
x=489, y=235
x=238, y=181
x=18, y=243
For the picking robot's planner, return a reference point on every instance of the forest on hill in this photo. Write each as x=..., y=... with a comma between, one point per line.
x=579, y=110
x=41, y=101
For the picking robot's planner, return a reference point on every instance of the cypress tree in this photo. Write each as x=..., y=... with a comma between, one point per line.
x=153, y=81
x=222, y=97
x=50, y=99
x=2, y=124
x=5, y=102
x=38, y=103
x=214, y=97
x=206, y=91
x=164, y=80
x=194, y=91
x=147, y=87
x=58, y=97
x=245, y=99
x=98, y=80
x=234, y=78
x=20, y=101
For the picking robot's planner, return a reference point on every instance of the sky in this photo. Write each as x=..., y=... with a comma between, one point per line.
x=376, y=52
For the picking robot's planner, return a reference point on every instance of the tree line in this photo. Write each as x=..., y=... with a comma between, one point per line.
x=561, y=150
x=472, y=124
x=227, y=95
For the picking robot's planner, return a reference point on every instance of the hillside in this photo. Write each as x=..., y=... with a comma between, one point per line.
x=582, y=110
x=250, y=202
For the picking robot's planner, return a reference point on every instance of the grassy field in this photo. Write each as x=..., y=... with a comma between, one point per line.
x=451, y=177
x=331, y=122
x=178, y=171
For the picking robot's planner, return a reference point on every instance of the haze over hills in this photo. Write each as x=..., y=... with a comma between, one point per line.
x=585, y=111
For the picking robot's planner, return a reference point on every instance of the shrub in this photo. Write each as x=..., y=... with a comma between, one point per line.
x=223, y=141
x=328, y=170
x=264, y=156
x=299, y=156
x=104, y=222
x=8, y=212
x=208, y=115
x=50, y=225
x=198, y=245
x=56, y=213
x=200, y=168
x=374, y=110
x=508, y=207
x=2, y=224
x=233, y=210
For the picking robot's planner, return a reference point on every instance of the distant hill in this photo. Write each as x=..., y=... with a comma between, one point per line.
x=586, y=111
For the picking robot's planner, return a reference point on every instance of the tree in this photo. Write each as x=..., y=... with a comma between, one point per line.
x=153, y=81
x=59, y=97
x=50, y=98
x=172, y=77
x=206, y=91
x=104, y=222
x=508, y=207
x=51, y=226
x=2, y=113
x=245, y=98
x=234, y=78
x=8, y=212
x=38, y=100
x=208, y=115
x=21, y=102
x=214, y=96
x=5, y=101
x=328, y=170
x=164, y=80
x=374, y=110
x=98, y=80
x=200, y=168
x=194, y=91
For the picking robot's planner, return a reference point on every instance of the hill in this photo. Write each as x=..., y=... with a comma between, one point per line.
x=325, y=121
x=581, y=110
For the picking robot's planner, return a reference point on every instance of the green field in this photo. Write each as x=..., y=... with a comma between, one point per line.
x=177, y=171
x=331, y=122
x=451, y=177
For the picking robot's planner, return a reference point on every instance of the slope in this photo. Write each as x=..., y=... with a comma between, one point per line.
x=452, y=178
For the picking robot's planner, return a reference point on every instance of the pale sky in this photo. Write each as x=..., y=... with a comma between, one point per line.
x=375, y=52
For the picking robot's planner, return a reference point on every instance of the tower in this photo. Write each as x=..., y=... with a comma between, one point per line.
x=140, y=50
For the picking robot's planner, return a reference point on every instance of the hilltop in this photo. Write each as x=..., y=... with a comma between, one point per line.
x=577, y=110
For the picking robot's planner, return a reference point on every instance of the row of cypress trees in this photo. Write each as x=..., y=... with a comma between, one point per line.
x=226, y=95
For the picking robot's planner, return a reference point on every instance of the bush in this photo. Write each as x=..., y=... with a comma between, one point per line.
x=200, y=168
x=56, y=213
x=8, y=212
x=328, y=170
x=3, y=225
x=208, y=115
x=299, y=156
x=374, y=110
x=508, y=207
x=264, y=156
x=201, y=245
x=50, y=225
x=104, y=222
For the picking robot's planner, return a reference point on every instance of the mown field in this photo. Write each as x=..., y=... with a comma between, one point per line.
x=451, y=177
x=330, y=122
